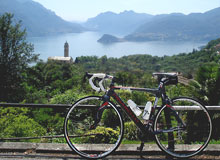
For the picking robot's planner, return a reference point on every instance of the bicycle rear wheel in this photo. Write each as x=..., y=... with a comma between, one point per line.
x=179, y=141
x=93, y=128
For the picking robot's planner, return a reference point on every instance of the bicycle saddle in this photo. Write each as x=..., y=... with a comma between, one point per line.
x=165, y=74
x=167, y=78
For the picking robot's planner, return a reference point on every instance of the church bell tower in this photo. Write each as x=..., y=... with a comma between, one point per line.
x=66, y=49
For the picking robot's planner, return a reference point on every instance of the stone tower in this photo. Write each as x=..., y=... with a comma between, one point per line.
x=66, y=50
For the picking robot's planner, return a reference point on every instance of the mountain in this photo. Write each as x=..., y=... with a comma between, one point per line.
x=37, y=20
x=112, y=23
x=176, y=26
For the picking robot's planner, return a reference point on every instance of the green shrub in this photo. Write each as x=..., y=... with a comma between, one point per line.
x=69, y=97
x=14, y=122
x=102, y=135
x=130, y=132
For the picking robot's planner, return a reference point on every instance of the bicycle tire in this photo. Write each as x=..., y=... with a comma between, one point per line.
x=95, y=142
x=188, y=142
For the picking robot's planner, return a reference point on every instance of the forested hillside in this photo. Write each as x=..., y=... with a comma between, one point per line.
x=187, y=64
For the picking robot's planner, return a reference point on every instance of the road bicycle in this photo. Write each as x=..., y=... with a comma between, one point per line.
x=94, y=126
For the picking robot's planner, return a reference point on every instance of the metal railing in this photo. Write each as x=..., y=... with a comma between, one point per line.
x=65, y=106
x=35, y=105
x=61, y=106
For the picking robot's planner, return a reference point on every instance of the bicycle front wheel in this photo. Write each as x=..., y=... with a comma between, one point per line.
x=93, y=128
x=183, y=141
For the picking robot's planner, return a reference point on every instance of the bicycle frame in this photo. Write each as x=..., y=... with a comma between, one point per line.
x=160, y=92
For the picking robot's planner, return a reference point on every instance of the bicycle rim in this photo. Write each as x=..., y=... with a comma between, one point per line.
x=99, y=141
x=179, y=141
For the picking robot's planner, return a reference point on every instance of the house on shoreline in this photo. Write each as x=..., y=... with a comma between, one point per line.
x=66, y=58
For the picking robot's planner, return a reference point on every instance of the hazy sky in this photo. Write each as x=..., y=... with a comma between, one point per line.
x=80, y=10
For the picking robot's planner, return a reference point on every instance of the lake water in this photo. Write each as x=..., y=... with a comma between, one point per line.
x=85, y=44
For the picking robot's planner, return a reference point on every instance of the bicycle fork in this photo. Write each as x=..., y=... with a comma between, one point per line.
x=99, y=115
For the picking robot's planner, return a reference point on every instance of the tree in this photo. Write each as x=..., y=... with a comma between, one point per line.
x=15, y=55
x=207, y=84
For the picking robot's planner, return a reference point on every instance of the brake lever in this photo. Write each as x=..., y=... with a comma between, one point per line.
x=97, y=80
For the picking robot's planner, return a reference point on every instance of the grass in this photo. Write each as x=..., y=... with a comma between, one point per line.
x=212, y=141
x=130, y=142
x=136, y=142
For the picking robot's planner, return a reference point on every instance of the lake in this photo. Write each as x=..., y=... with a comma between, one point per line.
x=85, y=44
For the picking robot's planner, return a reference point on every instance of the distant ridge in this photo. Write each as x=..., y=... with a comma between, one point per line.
x=38, y=20
x=113, y=23
x=146, y=27
x=176, y=26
